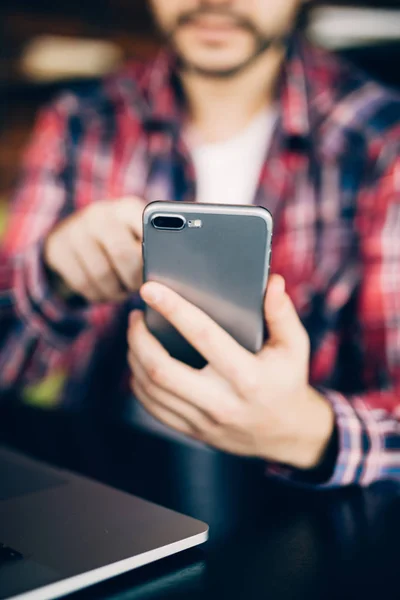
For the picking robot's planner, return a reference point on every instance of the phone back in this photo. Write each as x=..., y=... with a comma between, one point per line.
x=221, y=266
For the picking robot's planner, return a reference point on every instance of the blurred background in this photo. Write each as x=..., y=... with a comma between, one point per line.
x=46, y=45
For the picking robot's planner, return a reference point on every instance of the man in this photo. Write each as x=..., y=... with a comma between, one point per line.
x=240, y=109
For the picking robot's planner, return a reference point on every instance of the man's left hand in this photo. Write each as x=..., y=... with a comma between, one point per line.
x=253, y=405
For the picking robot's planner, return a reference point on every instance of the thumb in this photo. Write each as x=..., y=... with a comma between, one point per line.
x=283, y=324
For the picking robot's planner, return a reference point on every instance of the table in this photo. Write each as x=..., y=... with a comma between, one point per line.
x=268, y=540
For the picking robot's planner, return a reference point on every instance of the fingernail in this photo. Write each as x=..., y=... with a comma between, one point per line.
x=278, y=284
x=282, y=285
x=151, y=294
x=133, y=316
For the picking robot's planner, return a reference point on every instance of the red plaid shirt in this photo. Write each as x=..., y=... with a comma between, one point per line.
x=331, y=180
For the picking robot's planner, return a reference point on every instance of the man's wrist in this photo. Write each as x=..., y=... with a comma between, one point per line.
x=315, y=431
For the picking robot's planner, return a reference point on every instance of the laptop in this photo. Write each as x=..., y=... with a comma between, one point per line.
x=61, y=532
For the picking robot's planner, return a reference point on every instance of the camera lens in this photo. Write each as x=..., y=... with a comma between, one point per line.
x=168, y=222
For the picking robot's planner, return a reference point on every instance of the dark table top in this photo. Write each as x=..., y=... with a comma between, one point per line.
x=267, y=539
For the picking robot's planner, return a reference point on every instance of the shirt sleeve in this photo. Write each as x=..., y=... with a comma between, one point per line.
x=368, y=423
x=37, y=328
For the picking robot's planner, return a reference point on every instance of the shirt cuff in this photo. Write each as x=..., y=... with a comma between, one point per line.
x=354, y=463
x=39, y=306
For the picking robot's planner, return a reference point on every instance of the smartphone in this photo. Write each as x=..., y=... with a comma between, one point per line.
x=215, y=256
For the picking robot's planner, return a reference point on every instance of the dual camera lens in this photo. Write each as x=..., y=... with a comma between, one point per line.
x=168, y=222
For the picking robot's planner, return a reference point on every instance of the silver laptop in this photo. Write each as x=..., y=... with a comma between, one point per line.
x=60, y=532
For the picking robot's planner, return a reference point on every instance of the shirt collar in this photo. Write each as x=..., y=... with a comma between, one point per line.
x=165, y=107
x=294, y=94
x=166, y=101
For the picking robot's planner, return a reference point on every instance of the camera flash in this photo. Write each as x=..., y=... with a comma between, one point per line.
x=197, y=223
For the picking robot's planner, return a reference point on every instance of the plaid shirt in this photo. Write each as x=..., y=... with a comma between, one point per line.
x=332, y=182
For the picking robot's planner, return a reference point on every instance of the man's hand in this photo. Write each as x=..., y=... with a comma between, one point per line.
x=254, y=405
x=97, y=251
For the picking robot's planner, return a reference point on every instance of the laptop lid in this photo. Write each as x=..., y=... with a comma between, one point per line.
x=61, y=532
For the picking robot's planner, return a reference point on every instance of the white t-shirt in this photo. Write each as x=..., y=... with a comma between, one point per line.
x=226, y=173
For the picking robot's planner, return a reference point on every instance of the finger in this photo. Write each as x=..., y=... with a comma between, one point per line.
x=99, y=269
x=160, y=413
x=196, y=418
x=166, y=372
x=284, y=325
x=124, y=253
x=75, y=277
x=130, y=212
x=214, y=344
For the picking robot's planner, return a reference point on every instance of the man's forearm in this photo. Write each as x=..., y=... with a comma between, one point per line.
x=35, y=325
x=367, y=442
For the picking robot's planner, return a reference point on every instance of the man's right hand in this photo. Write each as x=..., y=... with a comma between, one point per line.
x=97, y=251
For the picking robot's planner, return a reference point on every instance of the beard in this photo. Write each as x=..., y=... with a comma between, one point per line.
x=261, y=42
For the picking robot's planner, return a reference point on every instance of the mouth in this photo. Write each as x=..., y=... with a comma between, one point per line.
x=212, y=28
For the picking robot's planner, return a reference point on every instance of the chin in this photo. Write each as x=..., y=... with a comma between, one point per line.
x=214, y=64
x=215, y=58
